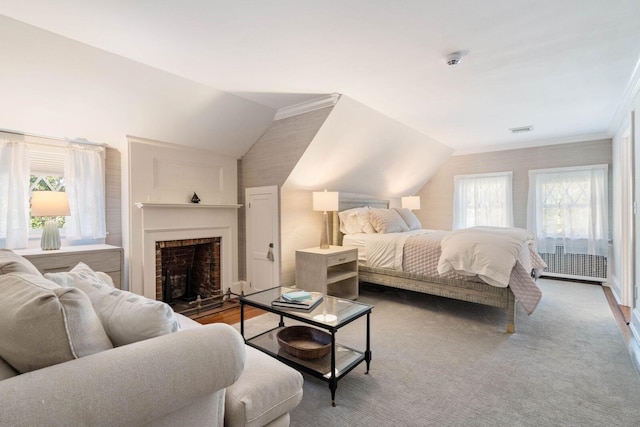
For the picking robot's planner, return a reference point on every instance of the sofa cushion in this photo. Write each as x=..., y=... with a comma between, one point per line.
x=42, y=324
x=266, y=390
x=126, y=317
x=10, y=262
x=6, y=371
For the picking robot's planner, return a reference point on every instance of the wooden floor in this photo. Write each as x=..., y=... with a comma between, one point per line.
x=230, y=314
x=623, y=325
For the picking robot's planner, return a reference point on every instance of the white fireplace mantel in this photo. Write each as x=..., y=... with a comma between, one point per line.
x=150, y=205
x=163, y=221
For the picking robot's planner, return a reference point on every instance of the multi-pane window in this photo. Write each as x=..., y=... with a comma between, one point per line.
x=483, y=199
x=45, y=183
x=47, y=174
x=568, y=207
x=49, y=165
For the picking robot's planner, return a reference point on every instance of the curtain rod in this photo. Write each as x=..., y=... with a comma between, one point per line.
x=54, y=138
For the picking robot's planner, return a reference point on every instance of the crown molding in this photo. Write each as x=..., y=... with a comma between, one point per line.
x=532, y=144
x=307, y=106
x=631, y=91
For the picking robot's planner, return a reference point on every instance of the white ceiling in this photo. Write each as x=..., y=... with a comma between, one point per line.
x=562, y=66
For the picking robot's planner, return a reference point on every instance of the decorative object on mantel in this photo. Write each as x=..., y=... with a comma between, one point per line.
x=324, y=201
x=51, y=204
x=195, y=198
x=164, y=205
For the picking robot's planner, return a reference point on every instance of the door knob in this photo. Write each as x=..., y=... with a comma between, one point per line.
x=270, y=252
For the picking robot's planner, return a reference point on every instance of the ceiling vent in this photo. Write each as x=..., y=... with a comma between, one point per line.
x=521, y=129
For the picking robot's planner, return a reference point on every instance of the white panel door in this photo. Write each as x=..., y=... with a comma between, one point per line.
x=263, y=238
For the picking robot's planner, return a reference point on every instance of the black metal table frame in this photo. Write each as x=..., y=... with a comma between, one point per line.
x=333, y=379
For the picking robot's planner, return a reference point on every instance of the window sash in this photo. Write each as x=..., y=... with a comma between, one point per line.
x=483, y=199
x=568, y=207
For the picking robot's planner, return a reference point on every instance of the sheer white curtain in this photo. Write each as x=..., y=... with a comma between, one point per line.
x=569, y=207
x=483, y=199
x=84, y=183
x=14, y=194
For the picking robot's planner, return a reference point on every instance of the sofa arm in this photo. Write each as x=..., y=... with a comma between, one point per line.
x=128, y=385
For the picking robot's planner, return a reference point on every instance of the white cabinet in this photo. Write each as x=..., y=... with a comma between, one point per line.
x=332, y=271
x=104, y=258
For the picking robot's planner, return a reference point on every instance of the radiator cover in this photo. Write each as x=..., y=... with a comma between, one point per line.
x=579, y=265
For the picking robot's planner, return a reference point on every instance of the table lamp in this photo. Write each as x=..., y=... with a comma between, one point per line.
x=50, y=204
x=411, y=202
x=324, y=201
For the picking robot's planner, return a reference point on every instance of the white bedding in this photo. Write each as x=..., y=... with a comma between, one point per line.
x=380, y=250
x=488, y=252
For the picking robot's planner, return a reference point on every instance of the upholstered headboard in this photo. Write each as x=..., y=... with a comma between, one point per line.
x=350, y=202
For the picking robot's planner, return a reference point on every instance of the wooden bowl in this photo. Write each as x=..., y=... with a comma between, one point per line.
x=304, y=342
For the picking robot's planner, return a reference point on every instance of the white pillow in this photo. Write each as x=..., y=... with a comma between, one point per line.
x=126, y=317
x=42, y=324
x=363, y=221
x=409, y=218
x=387, y=221
x=349, y=223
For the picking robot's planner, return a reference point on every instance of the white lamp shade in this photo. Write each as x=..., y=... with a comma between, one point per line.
x=325, y=201
x=49, y=203
x=411, y=202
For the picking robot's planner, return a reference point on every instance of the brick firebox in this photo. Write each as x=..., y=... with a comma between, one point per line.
x=177, y=256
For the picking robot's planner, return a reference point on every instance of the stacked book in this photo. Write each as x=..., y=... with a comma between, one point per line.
x=298, y=299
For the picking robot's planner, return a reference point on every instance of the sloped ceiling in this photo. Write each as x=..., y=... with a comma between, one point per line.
x=562, y=66
x=360, y=150
x=55, y=86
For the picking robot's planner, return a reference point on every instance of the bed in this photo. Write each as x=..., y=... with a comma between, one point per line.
x=388, y=267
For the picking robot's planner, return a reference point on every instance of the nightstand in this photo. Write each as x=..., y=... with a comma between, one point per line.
x=332, y=271
x=104, y=258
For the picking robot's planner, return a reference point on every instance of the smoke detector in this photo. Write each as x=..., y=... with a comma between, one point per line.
x=453, y=58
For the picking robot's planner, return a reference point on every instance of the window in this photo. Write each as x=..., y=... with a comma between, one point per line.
x=77, y=169
x=47, y=174
x=568, y=207
x=484, y=199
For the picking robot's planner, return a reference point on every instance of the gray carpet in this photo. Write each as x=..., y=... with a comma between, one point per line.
x=439, y=362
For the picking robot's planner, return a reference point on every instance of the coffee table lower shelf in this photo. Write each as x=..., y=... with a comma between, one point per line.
x=346, y=358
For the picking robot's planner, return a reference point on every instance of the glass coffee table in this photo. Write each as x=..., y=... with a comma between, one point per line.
x=331, y=315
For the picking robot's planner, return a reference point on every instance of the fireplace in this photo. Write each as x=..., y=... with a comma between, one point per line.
x=188, y=274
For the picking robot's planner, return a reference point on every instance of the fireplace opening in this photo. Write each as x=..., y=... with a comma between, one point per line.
x=188, y=274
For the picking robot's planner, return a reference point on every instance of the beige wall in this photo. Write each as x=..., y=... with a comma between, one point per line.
x=437, y=195
x=269, y=162
x=113, y=196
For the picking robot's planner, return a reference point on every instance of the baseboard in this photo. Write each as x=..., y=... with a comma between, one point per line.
x=616, y=289
x=634, y=343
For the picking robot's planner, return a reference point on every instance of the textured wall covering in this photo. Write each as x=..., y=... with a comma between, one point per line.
x=271, y=160
x=113, y=195
x=437, y=194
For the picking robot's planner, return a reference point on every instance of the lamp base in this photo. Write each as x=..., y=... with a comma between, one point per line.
x=50, y=236
x=324, y=237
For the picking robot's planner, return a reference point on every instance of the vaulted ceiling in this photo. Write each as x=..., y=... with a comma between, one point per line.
x=562, y=66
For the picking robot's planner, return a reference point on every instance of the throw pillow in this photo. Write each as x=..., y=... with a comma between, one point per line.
x=11, y=262
x=349, y=223
x=365, y=225
x=42, y=324
x=387, y=221
x=410, y=218
x=126, y=317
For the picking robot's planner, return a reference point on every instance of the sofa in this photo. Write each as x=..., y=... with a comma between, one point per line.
x=76, y=351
